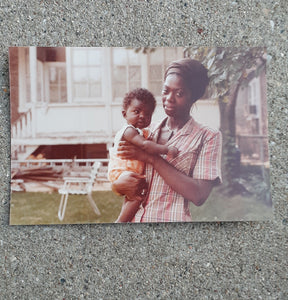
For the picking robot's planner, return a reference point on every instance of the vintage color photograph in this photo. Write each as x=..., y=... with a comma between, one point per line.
x=117, y=135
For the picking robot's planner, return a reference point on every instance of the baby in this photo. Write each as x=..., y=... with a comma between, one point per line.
x=138, y=107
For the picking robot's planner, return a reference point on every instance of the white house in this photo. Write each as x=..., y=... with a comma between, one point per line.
x=66, y=102
x=251, y=119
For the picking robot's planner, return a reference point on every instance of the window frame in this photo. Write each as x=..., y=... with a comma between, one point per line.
x=142, y=65
x=71, y=83
x=47, y=65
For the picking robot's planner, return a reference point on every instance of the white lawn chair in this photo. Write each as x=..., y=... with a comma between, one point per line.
x=78, y=186
x=17, y=185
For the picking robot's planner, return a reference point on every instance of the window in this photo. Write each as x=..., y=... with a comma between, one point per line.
x=86, y=73
x=40, y=82
x=253, y=98
x=57, y=83
x=126, y=71
x=159, y=61
x=253, y=94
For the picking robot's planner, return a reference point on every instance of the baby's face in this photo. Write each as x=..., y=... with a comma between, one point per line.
x=138, y=114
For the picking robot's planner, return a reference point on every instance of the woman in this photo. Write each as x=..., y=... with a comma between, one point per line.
x=191, y=175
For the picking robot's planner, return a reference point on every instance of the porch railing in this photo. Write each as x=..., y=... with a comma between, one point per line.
x=23, y=126
x=21, y=129
x=61, y=163
x=67, y=167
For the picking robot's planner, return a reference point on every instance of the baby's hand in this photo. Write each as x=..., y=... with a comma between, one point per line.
x=172, y=152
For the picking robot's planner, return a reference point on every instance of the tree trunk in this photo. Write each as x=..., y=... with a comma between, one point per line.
x=231, y=154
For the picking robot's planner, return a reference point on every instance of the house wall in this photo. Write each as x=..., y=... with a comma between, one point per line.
x=74, y=120
x=71, y=120
x=264, y=113
x=252, y=127
x=207, y=113
x=97, y=123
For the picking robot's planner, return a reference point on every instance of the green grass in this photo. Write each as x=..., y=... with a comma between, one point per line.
x=42, y=208
x=219, y=207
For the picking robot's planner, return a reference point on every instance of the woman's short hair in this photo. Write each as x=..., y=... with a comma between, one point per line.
x=194, y=74
x=142, y=95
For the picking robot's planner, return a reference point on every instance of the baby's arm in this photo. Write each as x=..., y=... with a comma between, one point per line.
x=131, y=135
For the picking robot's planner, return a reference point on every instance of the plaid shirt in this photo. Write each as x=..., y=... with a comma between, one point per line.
x=199, y=157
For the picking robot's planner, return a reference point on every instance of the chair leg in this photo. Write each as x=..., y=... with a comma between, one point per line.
x=62, y=206
x=93, y=204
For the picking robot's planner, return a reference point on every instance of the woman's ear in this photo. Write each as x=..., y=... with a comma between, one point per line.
x=124, y=113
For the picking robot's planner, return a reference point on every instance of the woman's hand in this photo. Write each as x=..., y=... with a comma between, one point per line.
x=132, y=185
x=128, y=151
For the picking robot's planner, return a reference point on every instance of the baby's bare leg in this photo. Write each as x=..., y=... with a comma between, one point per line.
x=130, y=207
x=128, y=211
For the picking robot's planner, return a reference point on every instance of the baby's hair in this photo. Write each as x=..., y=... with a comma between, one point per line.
x=142, y=95
x=194, y=74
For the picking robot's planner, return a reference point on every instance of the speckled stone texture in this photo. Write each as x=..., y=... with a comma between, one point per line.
x=141, y=261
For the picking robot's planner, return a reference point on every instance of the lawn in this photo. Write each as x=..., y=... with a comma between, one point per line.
x=42, y=208
x=220, y=207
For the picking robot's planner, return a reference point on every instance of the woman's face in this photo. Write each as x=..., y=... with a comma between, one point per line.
x=176, y=98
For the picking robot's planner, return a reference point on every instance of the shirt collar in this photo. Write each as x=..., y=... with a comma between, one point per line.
x=185, y=130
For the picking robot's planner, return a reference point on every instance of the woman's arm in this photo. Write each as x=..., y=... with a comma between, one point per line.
x=194, y=190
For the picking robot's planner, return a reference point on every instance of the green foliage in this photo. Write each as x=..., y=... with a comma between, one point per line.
x=227, y=66
x=257, y=181
x=248, y=181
